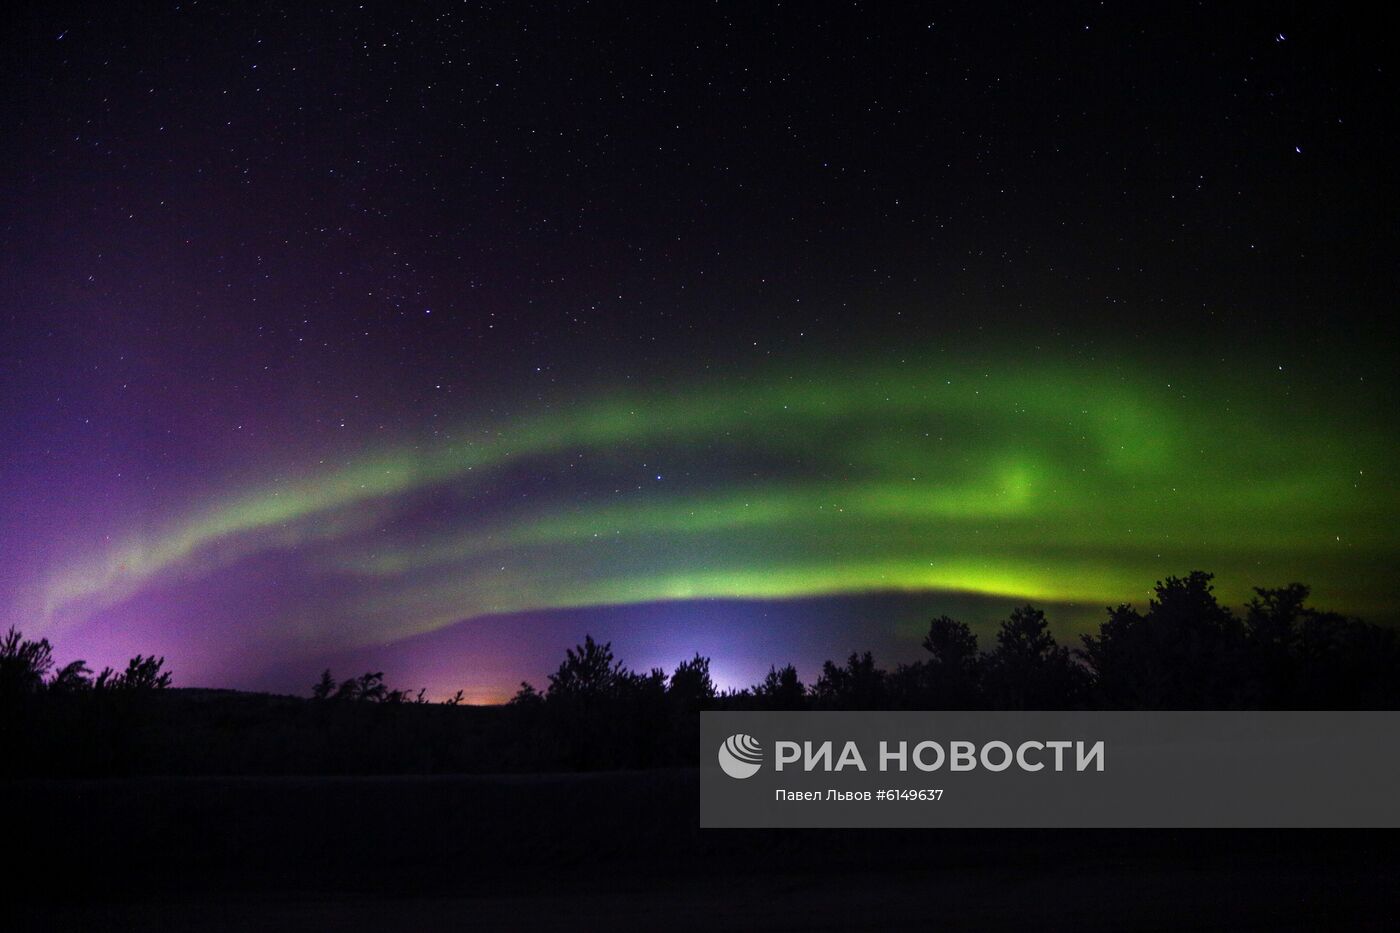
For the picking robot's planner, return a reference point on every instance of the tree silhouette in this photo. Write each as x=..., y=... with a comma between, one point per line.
x=145, y=674
x=349, y=689
x=372, y=688
x=1345, y=664
x=142, y=675
x=691, y=687
x=950, y=678
x=857, y=685
x=1185, y=652
x=645, y=724
x=1272, y=622
x=73, y=677
x=369, y=687
x=527, y=696
x=781, y=689
x=952, y=643
x=599, y=713
x=588, y=673
x=23, y=664
x=324, y=688
x=1028, y=670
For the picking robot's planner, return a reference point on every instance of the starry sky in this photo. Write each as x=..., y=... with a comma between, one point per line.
x=429, y=337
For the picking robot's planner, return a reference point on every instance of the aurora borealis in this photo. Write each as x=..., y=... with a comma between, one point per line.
x=317, y=348
x=1001, y=479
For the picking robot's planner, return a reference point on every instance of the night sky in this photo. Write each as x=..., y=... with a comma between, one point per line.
x=427, y=338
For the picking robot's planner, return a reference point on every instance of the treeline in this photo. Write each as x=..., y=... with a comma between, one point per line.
x=27, y=668
x=369, y=687
x=1184, y=651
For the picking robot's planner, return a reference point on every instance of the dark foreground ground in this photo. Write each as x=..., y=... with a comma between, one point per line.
x=623, y=851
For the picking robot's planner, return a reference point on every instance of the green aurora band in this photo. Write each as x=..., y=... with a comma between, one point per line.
x=1025, y=478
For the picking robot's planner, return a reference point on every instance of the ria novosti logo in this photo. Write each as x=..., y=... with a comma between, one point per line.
x=740, y=756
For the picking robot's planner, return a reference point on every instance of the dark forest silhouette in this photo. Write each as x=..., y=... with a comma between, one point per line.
x=1186, y=651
